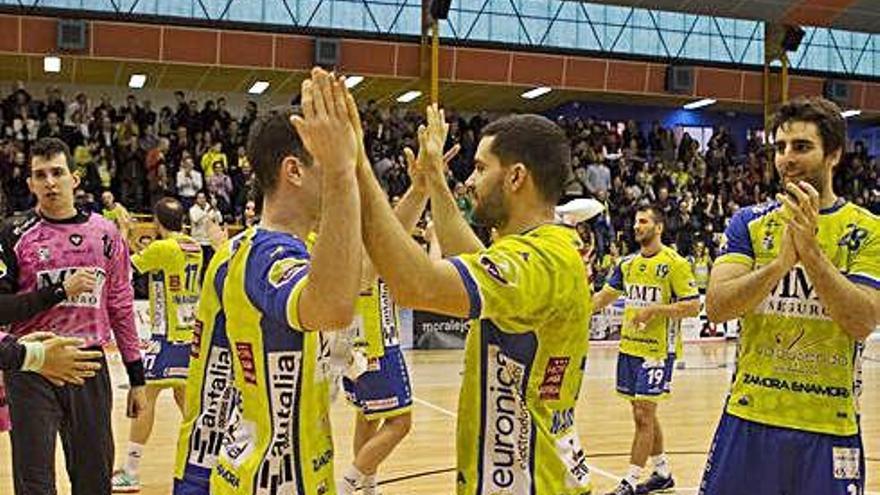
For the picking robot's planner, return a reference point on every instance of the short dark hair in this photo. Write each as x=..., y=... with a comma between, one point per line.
x=537, y=143
x=656, y=213
x=824, y=113
x=169, y=213
x=272, y=138
x=48, y=148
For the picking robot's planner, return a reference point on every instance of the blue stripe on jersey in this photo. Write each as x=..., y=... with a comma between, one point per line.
x=470, y=285
x=267, y=248
x=864, y=280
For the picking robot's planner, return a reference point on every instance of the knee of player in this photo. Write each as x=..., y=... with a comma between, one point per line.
x=401, y=425
x=643, y=415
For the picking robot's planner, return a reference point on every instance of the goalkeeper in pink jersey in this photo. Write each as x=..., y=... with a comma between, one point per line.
x=40, y=252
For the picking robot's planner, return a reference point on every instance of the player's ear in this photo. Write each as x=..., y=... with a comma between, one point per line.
x=292, y=170
x=517, y=176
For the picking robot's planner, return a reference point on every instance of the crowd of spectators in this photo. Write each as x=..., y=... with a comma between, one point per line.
x=196, y=152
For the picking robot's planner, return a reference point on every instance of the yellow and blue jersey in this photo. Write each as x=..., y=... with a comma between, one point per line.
x=645, y=281
x=209, y=391
x=524, y=361
x=796, y=368
x=173, y=266
x=280, y=441
x=376, y=324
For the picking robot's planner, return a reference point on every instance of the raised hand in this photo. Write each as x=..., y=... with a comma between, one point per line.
x=325, y=127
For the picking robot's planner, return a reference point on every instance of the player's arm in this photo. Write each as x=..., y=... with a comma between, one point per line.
x=414, y=279
x=855, y=306
x=328, y=298
x=455, y=235
x=120, y=308
x=613, y=289
x=735, y=287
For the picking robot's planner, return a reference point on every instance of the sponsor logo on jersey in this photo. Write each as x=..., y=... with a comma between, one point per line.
x=387, y=317
x=569, y=450
x=277, y=474
x=796, y=386
x=562, y=421
x=44, y=254
x=216, y=400
x=195, y=347
x=92, y=299
x=75, y=239
x=794, y=296
x=507, y=448
x=245, y=352
x=493, y=269
x=553, y=376
x=638, y=295
x=283, y=271
x=174, y=283
x=846, y=463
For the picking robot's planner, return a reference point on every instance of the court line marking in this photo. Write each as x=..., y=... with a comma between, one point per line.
x=599, y=471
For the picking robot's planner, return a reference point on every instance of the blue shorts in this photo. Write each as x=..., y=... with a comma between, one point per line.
x=384, y=389
x=190, y=487
x=756, y=459
x=642, y=379
x=166, y=363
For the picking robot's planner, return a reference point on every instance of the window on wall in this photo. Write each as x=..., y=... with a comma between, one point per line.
x=700, y=134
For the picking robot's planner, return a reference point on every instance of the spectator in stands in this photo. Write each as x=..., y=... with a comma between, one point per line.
x=220, y=186
x=203, y=217
x=189, y=181
x=156, y=170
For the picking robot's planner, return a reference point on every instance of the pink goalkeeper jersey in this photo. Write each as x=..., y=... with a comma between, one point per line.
x=36, y=252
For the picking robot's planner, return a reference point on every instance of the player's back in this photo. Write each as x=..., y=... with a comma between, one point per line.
x=174, y=267
x=525, y=357
x=281, y=442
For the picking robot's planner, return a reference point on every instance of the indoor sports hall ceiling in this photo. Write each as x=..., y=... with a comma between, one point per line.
x=853, y=15
x=90, y=73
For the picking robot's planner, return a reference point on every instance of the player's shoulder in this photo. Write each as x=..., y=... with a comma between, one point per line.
x=14, y=228
x=757, y=212
x=99, y=222
x=861, y=216
x=268, y=246
x=670, y=253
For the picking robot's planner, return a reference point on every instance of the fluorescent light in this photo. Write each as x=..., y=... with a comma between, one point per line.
x=705, y=102
x=51, y=64
x=137, y=81
x=259, y=87
x=536, y=92
x=850, y=113
x=409, y=96
x=352, y=81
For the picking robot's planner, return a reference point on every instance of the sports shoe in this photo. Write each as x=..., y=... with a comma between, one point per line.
x=125, y=483
x=623, y=488
x=655, y=484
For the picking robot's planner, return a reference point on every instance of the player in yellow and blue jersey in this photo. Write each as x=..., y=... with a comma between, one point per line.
x=210, y=397
x=173, y=264
x=527, y=295
x=803, y=274
x=381, y=392
x=659, y=289
x=277, y=294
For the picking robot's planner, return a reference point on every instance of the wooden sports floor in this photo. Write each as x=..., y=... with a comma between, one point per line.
x=423, y=463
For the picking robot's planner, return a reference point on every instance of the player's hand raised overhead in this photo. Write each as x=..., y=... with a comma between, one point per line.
x=325, y=127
